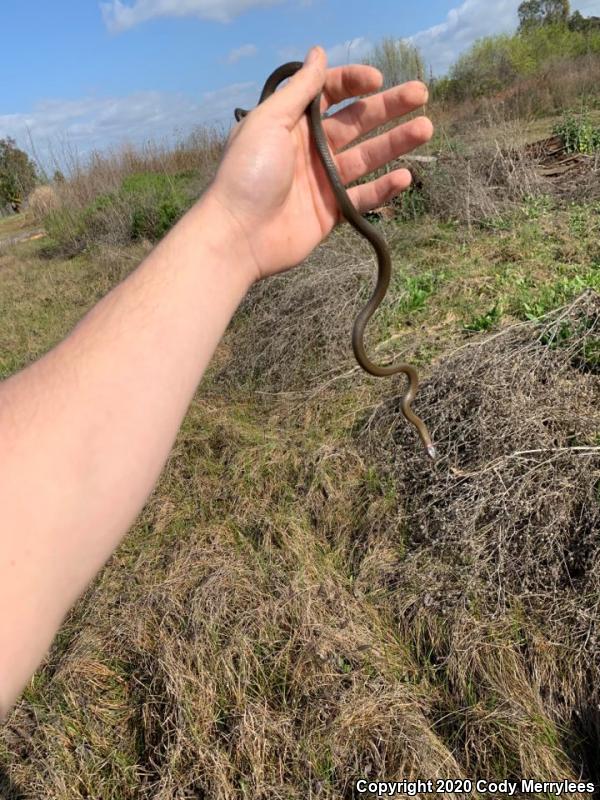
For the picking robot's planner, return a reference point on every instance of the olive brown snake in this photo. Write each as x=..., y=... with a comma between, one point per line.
x=379, y=244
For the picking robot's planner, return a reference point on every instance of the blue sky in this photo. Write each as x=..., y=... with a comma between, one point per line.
x=85, y=74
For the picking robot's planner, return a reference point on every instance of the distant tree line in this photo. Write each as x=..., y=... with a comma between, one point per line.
x=547, y=31
x=535, y=13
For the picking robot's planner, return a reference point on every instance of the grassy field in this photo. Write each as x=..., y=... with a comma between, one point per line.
x=304, y=600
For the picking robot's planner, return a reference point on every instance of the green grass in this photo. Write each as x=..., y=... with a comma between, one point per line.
x=518, y=267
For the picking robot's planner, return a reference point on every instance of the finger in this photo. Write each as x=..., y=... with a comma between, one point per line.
x=290, y=102
x=349, y=81
x=365, y=115
x=375, y=193
x=380, y=150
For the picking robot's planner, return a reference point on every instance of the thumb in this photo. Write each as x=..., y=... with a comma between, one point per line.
x=291, y=101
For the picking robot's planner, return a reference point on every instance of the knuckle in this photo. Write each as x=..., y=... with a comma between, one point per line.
x=369, y=158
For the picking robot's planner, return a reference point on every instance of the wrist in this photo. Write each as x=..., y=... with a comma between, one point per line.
x=225, y=235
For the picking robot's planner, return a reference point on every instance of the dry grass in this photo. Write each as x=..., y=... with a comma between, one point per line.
x=483, y=179
x=118, y=196
x=501, y=581
x=303, y=600
x=103, y=172
x=239, y=679
x=42, y=201
x=316, y=304
x=14, y=224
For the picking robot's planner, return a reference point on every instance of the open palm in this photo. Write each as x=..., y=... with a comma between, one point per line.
x=271, y=181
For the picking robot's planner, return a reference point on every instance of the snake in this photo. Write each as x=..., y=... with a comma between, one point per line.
x=364, y=227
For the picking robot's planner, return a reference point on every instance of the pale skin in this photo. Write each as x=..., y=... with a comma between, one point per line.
x=87, y=428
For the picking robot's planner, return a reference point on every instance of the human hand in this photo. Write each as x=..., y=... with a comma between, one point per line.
x=271, y=181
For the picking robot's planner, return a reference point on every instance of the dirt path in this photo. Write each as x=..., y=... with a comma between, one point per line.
x=24, y=236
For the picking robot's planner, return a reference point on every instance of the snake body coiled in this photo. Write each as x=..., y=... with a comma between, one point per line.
x=362, y=226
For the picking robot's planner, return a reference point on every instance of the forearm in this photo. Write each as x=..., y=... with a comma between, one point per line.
x=86, y=430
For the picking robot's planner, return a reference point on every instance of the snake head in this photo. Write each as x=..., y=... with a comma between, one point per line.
x=431, y=452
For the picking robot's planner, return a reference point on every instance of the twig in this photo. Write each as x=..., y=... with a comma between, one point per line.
x=581, y=450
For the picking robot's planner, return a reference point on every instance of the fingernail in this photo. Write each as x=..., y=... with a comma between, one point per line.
x=313, y=55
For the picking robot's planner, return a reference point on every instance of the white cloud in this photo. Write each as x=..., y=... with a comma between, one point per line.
x=348, y=52
x=119, y=17
x=244, y=51
x=99, y=122
x=442, y=44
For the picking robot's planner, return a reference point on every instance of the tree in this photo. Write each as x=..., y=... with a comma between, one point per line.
x=529, y=14
x=534, y=13
x=577, y=22
x=18, y=174
x=398, y=60
x=485, y=68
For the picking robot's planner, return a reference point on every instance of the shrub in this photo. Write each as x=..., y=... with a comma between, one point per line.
x=145, y=206
x=578, y=133
x=151, y=183
x=487, y=67
x=397, y=60
x=156, y=202
x=154, y=221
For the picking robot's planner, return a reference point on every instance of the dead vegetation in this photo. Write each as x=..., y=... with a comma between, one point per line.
x=491, y=176
x=500, y=579
x=572, y=176
x=41, y=202
x=316, y=305
x=130, y=194
x=480, y=183
x=304, y=600
x=103, y=172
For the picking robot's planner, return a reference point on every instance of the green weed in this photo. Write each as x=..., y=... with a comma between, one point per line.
x=535, y=206
x=486, y=321
x=578, y=133
x=412, y=204
x=416, y=290
x=534, y=303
